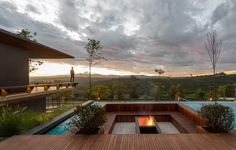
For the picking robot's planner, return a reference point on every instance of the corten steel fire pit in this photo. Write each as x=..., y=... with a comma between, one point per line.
x=146, y=125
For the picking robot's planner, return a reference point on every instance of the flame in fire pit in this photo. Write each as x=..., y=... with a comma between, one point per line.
x=146, y=121
x=150, y=121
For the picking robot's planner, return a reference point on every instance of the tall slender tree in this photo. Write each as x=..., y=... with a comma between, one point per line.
x=213, y=47
x=93, y=48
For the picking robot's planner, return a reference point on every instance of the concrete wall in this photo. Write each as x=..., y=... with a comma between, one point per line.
x=14, y=66
x=35, y=104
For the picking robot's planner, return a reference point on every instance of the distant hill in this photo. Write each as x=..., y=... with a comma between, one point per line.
x=78, y=76
x=144, y=84
x=196, y=81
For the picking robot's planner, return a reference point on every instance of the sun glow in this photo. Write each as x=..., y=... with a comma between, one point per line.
x=52, y=69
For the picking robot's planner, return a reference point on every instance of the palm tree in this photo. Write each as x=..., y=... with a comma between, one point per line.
x=159, y=71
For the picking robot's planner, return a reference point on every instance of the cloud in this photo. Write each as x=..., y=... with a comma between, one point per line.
x=136, y=35
x=31, y=8
x=68, y=14
x=220, y=12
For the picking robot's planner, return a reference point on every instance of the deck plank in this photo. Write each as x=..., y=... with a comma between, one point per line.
x=109, y=123
x=119, y=142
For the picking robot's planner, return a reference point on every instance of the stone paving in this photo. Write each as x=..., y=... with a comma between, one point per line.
x=124, y=128
x=129, y=128
x=167, y=128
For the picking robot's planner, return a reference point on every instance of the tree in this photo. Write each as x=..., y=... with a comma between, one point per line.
x=133, y=92
x=176, y=91
x=34, y=64
x=227, y=90
x=158, y=92
x=26, y=34
x=200, y=94
x=132, y=83
x=221, y=90
x=93, y=48
x=118, y=89
x=180, y=91
x=230, y=90
x=213, y=48
x=159, y=71
x=100, y=92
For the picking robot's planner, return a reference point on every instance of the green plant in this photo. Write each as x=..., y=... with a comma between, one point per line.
x=176, y=91
x=100, y=92
x=17, y=120
x=158, y=92
x=200, y=94
x=218, y=118
x=88, y=119
x=9, y=121
x=133, y=93
x=118, y=90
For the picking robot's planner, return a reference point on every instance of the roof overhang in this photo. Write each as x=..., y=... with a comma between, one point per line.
x=36, y=50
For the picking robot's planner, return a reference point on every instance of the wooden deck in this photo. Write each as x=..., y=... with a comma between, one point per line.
x=119, y=142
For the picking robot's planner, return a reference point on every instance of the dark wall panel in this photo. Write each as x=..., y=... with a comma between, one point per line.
x=14, y=66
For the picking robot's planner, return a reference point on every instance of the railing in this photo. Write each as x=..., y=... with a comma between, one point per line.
x=34, y=88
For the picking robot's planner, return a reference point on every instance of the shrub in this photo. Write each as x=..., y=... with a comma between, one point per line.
x=9, y=121
x=219, y=118
x=30, y=119
x=17, y=120
x=88, y=119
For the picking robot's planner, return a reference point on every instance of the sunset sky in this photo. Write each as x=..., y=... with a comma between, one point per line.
x=137, y=35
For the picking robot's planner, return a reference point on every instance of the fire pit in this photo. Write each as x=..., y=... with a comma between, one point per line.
x=146, y=125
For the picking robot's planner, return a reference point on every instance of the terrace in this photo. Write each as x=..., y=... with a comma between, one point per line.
x=184, y=120
x=129, y=125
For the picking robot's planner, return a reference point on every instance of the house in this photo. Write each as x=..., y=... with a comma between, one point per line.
x=15, y=53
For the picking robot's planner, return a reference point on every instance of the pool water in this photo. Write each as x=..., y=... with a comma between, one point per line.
x=61, y=128
x=196, y=106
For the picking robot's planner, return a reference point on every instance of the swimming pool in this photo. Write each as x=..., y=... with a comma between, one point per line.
x=62, y=128
x=197, y=105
